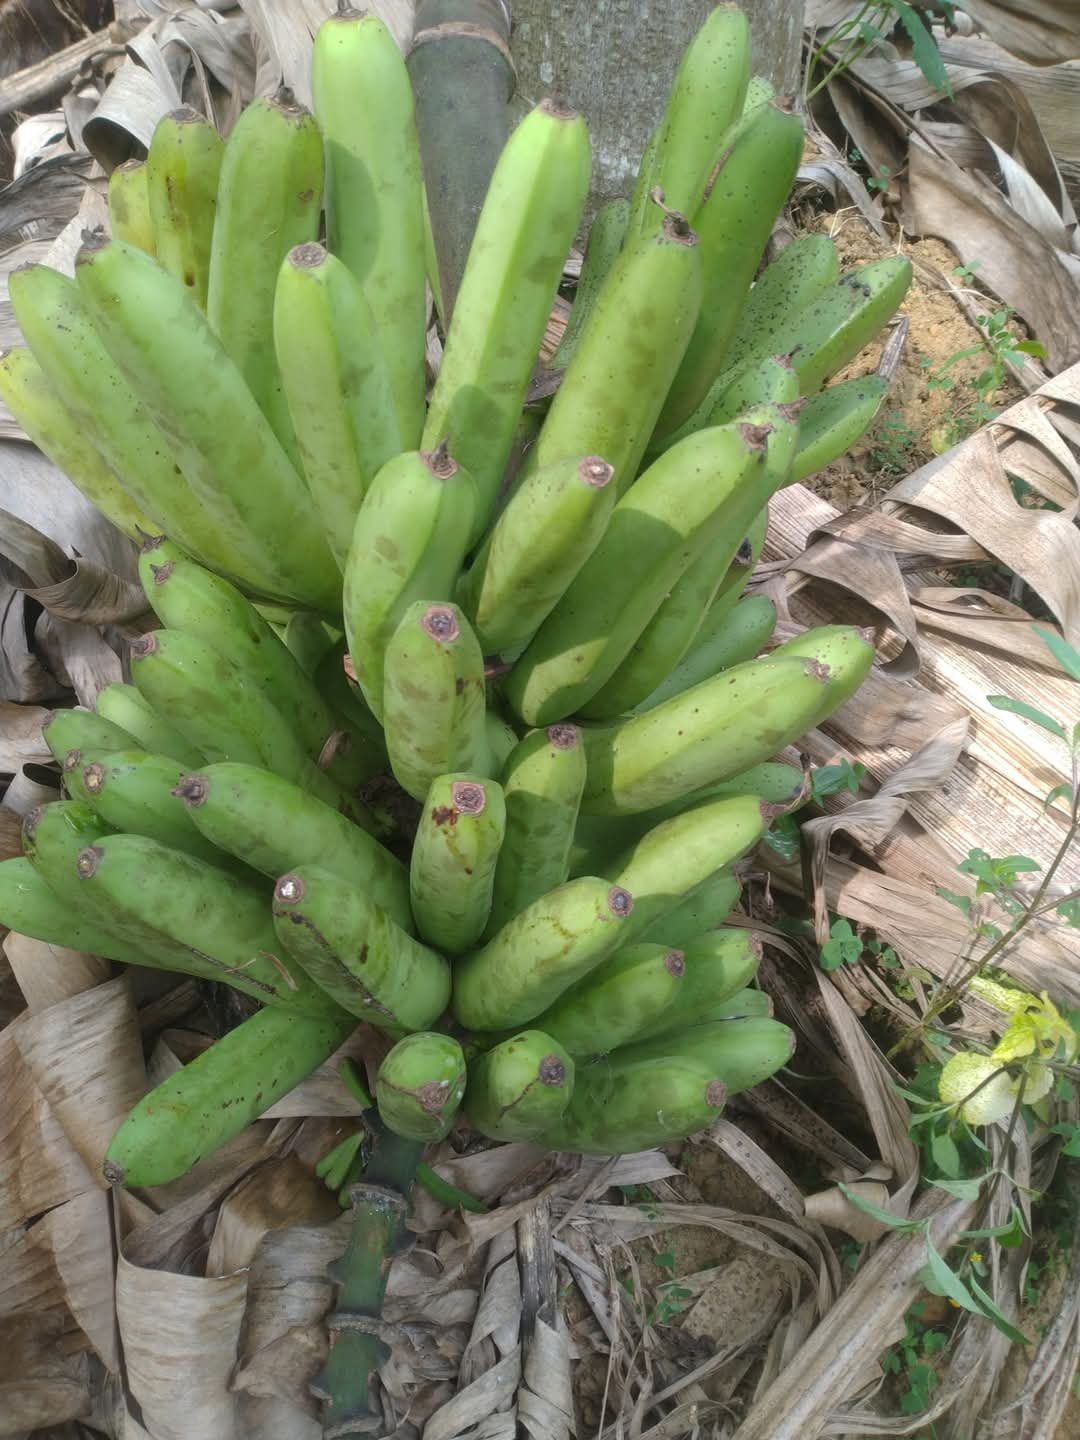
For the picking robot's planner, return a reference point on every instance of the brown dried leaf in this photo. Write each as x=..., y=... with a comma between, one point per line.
x=39, y=1384
x=279, y=1194
x=832, y=1208
x=1043, y=32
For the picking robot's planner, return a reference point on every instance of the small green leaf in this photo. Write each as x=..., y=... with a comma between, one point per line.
x=666, y=1259
x=1060, y=792
x=1066, y=656
x=1069, y=911
x=1071, y=1134
x=783, y=837
x=831, y=779
x=967, y=1189
x=962, y=902
x=1009, y=1236
x=1031, y=347
x=894, y=1222
x=939, y=1279
x=945, y=1155
x=1037, y=717
x=933, y=1341
x=924, y=50
x=992, y=1311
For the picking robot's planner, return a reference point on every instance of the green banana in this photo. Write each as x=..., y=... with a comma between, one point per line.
x=188, y=598
x=739, y=1053
x=716, y=966
x=420, y=1085
x=703, y=910
x=183, y=165
x=346, y=701
x=131, y=791
x=741, y=568
x=718, y=728
x=615, y=1002
x=742, y=198
x=758, y=92
x=760, y=380
x=269, y=199
x=350, y=946
x=215, y=924
x=65, y=731
x=833, y=420
x=30, y=906
x=519, y=1088
x=129, y=205
x=408, y=544
x=218, y=1094
x=374, y=192
x=621, y=1108
x=612, y=390
x=733, y=636
x=805, y=268
x=675, y=624
x=672, y=859
x=225, y=447
x=771, y=781
x=641, y=199
x=124, y=706
x=542, y=784
x=452, y=869
x=551, y=525
x=502, y=740
x=273, y=825
x=701, y=494
x=825, y=645
x=706, y=99
x=540, y=953
x=27, y=392
x=337, y=384
x=526, y=227
x=310, y=639
x=434, y=698
x=606, y=235
x=748, y=1004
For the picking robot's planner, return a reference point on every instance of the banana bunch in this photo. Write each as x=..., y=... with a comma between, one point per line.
x=462, y=749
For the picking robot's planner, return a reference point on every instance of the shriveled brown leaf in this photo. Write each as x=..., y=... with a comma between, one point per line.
x=1044, y=32
x=833, y=1209
x=39, y=1384
x=278, y=1194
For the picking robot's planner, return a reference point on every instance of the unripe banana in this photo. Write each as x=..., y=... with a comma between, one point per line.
x=420, y=1085
x=452, y=869
x=641, y=200
x=502, y=740
x=734, y=636
x=337, y=384
x=132, y=792
x=833, y=420
x=212, y=1099
x=616, y=1002
x=606, y=235
x=227, y=451
x=519, y=1088
x=54, y=429
x=540, y=953
x=716, y=966
x=758, y=92
x=526, y=227
x=310, y=639
x=701, y=494
x=182, y=169
x=790, y=284
x=434, y=698
x=65, y=731
x=703, y=910
x=748, y=1004
x=740, y=1053
x=354, y=951
x=410, y=538
x=30, y=906
x=129, y=205
x=621, y=1108
x=742, y=198
x=124, y=706
x=269, y=199
x=272, y=824
x=542, y=784
x=760, y=380
x=374, y=192
x=552, y=524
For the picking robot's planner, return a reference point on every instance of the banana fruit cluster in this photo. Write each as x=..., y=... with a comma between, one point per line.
x=463, y=750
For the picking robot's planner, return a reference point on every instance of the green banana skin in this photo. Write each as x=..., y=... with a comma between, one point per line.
x=629, y=351
x=735, y=636
x=77, y=729
x=351, y=948
x=272, y=169
x=717, y=729
x=337, y=383
x=700, y=495
x=541, y=952
x=131, y=790
x=740, y=1053
x=748, y=1004
x=743, y=196
x=758, y=92
x=703, y=910
x=551, y=525
x=272, y=824
x=621, y=1108
x=183, y=166
x=26, y=391
x=408, y=545
x=420, y=1086
x=542, y=784
x=217, y=1095
x=434, y=696
x=347, y=704
x=215, y=924
x=502, y=740
x=229, y=455
x=674, y=626
x=310, y=639
x=526, y=226
x=188, y=598
x=129, y=205
x=519, y=1088
x=606, y=235
x=54, y=318
x=452, y=870
x=706, y=99
x=615, y=1002
x=374, y=191
x=833, y=420
x=788, y=285
x=716, y=967
x=825, y=645
x=124, y=706
x=641, y=200
x=676, y=856
x=760, y=380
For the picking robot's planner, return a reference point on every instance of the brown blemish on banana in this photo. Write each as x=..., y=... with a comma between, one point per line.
x=193, y=790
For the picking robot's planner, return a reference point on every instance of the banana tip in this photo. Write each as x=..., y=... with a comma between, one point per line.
x=620, y=902
x=468, y=797
x=559, y=107
x=94, y=778
x=88, y=860
x=675, y=963
x=439, y=461
x=595, y=471
x=193, y=790
x=143, y=646
x=564, y=737
x=440, y=622
x=308, y=256
x=72, y=761
x=715, y=1094
x=552, y=1071
x=289, y=890
x=115, y=1174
